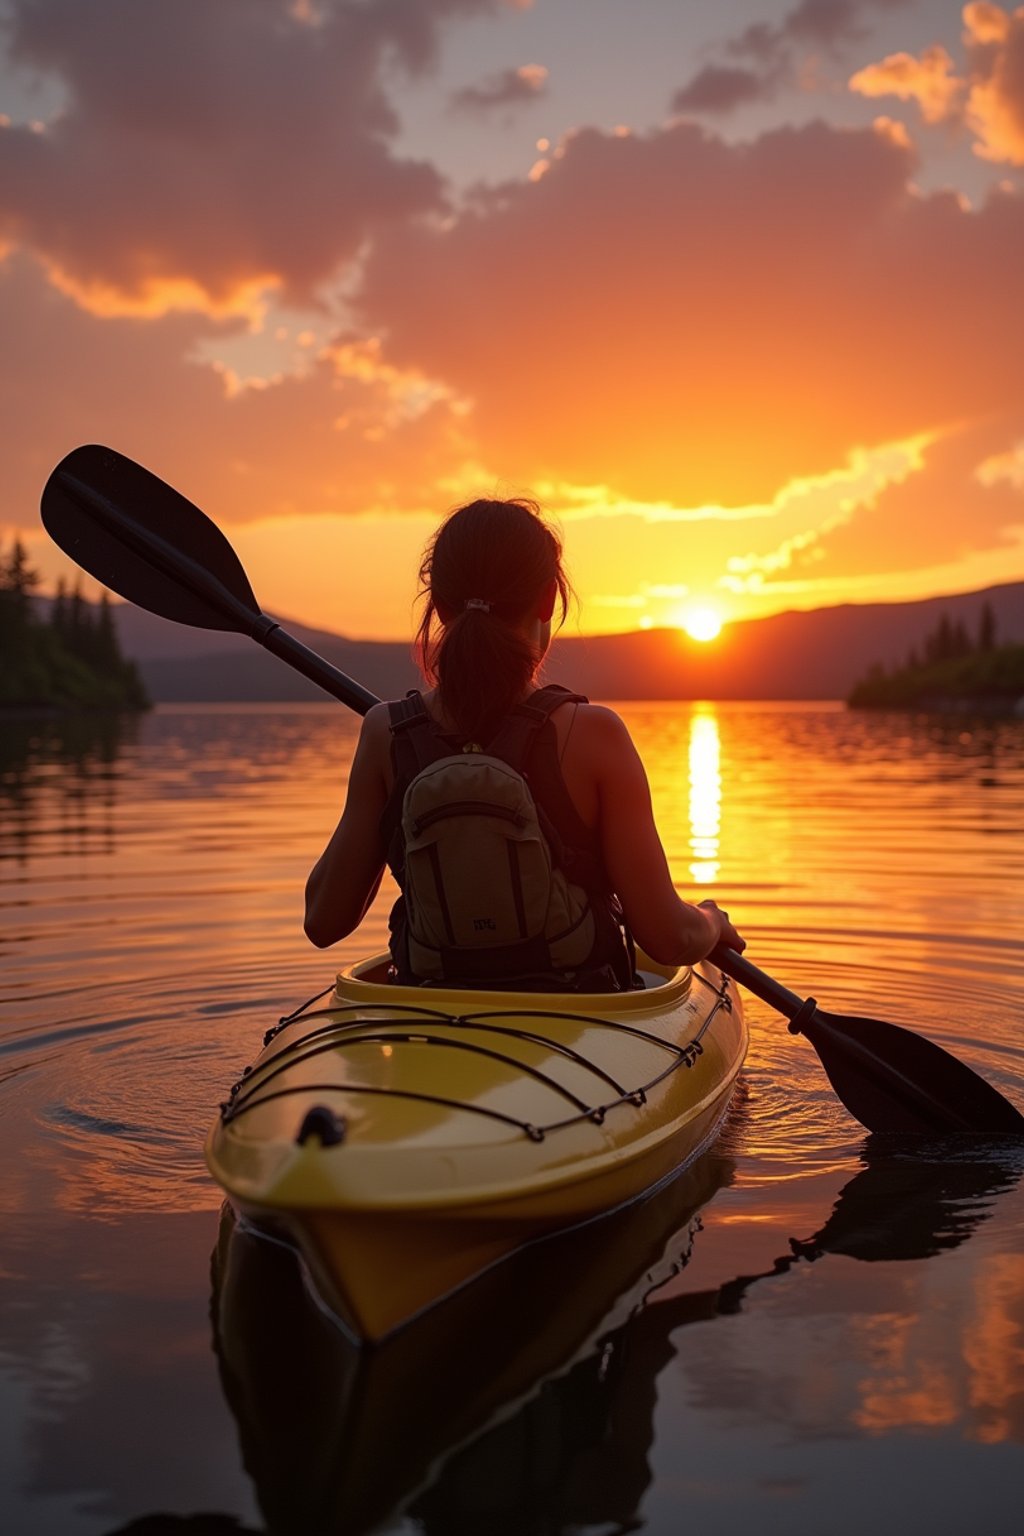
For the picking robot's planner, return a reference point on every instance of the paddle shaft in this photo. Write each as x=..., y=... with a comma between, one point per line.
x=259, y=626
x=280, y=643
x=765, y=987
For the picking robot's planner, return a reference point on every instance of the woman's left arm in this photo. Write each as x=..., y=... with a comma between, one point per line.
x=346, y=877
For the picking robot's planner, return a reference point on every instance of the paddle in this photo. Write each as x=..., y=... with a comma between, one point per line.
x=148, y=543
x=889, y=1078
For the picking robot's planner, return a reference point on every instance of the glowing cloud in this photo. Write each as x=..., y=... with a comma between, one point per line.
x=995, y=106
x=930, y=80
x=987, y=97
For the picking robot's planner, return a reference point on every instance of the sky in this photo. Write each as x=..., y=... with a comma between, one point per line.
x=734, y=290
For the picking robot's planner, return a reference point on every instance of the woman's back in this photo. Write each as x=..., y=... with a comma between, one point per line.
x=492, y=578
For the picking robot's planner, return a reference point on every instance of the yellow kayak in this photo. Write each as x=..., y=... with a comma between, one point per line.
x=408, y=1138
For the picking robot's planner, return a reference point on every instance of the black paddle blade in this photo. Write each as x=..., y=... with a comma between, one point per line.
x=142, y=539
x=891, y=1079
x=164, y=554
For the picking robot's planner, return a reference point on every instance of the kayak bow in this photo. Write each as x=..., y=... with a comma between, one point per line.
x=407, y=1139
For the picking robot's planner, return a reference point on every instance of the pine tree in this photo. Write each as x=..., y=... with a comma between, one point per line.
x=59, y=611
x=77, y=619
x=70, y=661
x=21, y=577
x=941, y=643
x=107, y=651
x=960, y=640
x=17, y=580
x=987, y=628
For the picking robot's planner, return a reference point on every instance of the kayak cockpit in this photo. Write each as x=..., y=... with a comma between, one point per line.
x=377, y=972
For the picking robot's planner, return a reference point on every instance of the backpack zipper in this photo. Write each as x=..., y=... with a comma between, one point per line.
x=466, y=808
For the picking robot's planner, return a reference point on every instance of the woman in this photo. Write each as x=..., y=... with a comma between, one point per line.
x=492, y=578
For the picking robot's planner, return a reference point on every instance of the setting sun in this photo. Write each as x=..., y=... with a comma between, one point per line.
x=701, y=623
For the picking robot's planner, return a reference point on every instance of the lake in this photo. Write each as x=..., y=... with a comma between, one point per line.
x=811, y=1330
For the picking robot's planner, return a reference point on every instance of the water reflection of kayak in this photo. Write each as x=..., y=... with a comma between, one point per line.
x=338, y=1436
x=407, y=1139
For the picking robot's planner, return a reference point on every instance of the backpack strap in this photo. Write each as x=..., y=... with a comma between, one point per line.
x=514, y=743
x=414, y=742
x=414, y=746
x=515, y=737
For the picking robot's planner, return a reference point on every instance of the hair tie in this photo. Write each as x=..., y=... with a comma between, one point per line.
x=477, y=602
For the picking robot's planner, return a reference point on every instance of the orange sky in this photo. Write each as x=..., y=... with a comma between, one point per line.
x=735, y=293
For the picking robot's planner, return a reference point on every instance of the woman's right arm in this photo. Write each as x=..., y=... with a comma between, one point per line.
x=670, y=930
x=345, y=878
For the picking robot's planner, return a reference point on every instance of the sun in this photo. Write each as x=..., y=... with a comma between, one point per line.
x=701, y=622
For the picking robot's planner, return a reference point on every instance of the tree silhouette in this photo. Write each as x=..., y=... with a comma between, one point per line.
x=72, y=659
x=987, y=628
x=950, y=670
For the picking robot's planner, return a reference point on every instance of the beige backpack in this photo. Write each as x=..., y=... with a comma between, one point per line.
x=485, y=898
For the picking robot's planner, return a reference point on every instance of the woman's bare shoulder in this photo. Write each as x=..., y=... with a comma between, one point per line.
x=601, y=712
x=374, y=748
x=375, y=729
x=377, y=720
x=597, y=723
x=593, y=739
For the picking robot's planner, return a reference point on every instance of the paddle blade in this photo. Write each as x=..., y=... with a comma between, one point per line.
x=891, y=1079
x=146, y=542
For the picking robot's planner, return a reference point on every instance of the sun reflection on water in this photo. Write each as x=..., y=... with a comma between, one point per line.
x=705, y=794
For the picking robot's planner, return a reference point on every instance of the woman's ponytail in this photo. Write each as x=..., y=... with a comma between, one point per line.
x=487, y=569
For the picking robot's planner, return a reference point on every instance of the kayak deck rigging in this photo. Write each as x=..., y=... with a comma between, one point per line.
x=391, y=1029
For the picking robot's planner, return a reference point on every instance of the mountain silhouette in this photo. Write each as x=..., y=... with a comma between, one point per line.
x=815, y=654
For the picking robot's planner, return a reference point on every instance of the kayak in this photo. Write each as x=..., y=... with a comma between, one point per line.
x=407, y=1139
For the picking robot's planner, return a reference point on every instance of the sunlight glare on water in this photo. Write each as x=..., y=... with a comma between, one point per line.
x=705, y=796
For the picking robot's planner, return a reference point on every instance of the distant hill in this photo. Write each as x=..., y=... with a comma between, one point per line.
x=814, y=655
x=818, y=654
x=184, y=665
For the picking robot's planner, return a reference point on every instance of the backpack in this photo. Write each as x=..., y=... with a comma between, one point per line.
x=487, y=892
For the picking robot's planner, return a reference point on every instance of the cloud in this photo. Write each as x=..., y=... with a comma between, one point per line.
x=975, y=468
x=772, y=52
x=818, y=23
x=929, y=80
x=351, y=435
x=507, y=88
x=995, y=109
x=722, y=88
x=721, y=319
x=210, y=153
x=985, y=23
x=693, y=324
x=987, y=97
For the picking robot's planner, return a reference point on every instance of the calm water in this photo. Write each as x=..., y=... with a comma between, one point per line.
x=810, y=1331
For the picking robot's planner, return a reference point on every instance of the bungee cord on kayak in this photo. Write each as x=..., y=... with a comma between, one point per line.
x=250, y=1090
